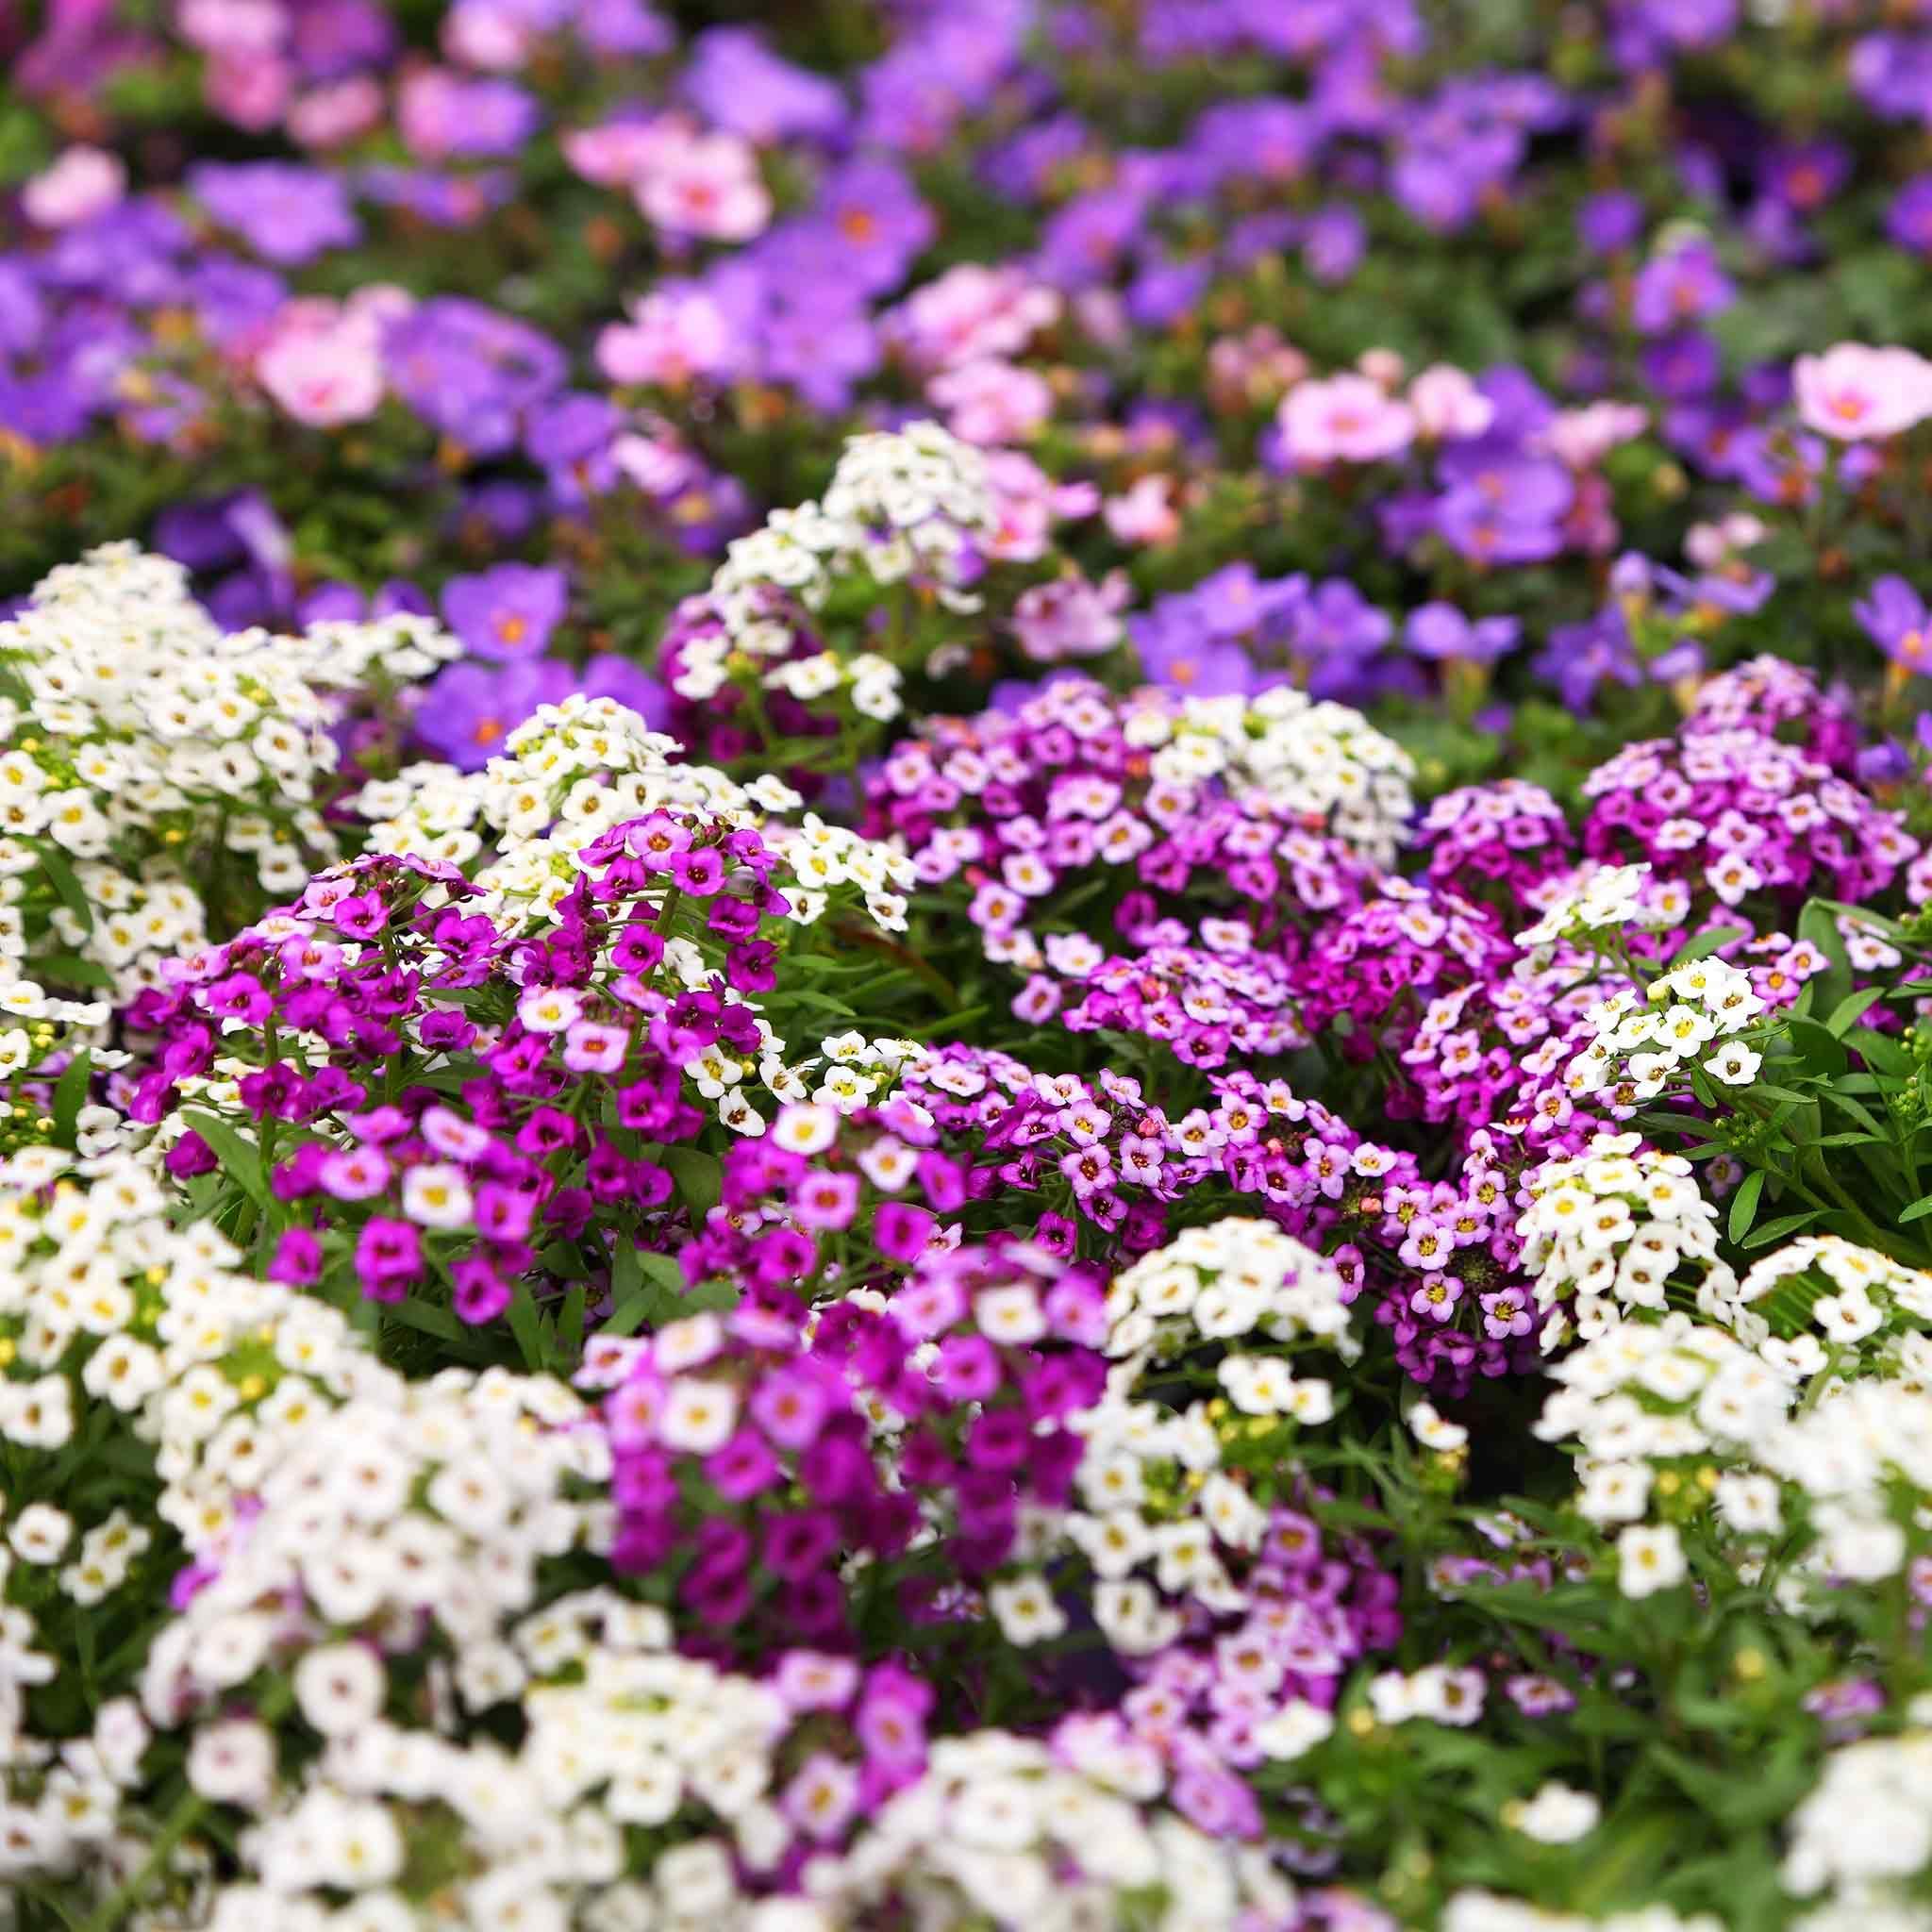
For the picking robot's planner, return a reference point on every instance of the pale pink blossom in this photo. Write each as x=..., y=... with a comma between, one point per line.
x=971, y=312
x=656, y=461
x=621, y=154
x=670, y=339
x=709, y=187
x=496, y=38
x=323, y=363
x=1071, y=617
x=1026, y=503
x=991, y=401
x=82, y=183
x=1855, y=394
x=1346, y=419
x=330, y=115
x=1145, y=514
x=1581, y=438
x=249, y=91
x=1447, y=404
x=233, y=27
x=1384, y=366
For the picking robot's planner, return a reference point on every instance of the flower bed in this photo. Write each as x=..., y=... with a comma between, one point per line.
x=966, y=966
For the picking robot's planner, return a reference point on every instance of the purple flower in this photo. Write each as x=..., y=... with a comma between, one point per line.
x=469, y=709
x=506, y=614
x=1896, y=620
x=284, y=211
x=389, y=1256
x=1441, y=632
x=1677, y=288
x=1908, y=221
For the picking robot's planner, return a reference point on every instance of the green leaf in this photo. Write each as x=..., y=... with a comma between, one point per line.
x=1701, y=945
x=1776, y=1230
x=69, y=1095
x=1848, y=1011
x=1917, y=1211
x=699, y=1177
x=60, y=876
x=646, y=1290
x=1745, y=1203
x=1821, y=1051
x=240, y=1158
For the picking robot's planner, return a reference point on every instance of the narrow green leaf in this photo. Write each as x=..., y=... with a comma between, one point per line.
x=1745, y=1203
x=240, y=1158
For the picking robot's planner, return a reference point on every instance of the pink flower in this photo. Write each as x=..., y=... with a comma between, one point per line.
x=323, y=365
x=496, y=39
x=708, y=187
x=1581, y=438
x=1346, y=419
x=972, y=312
x=992, y=402
x=252, y=90
x=233, y=27
x=84, y=182
x=1854, y=394
x=1070, y=618
x=329, y=116
x=669, y=338
x=1145, y=514
x=623, y=153
x=1447, y=404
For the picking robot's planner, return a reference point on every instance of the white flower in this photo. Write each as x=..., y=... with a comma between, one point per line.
x=1649, y=1559
x=1025, y=1610
x=1558, y=1815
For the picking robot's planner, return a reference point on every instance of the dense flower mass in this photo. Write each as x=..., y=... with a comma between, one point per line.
x=965, y=967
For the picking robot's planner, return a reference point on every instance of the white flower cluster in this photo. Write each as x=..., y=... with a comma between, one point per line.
x=1846, y=1294
x=1489, y=1912
x=910, y=504
x=1689, y=1018
x=1439, y=1694
x=1645, y=1394
x=1233, y=1280
x=1308, y=758
x=848, y=1074
x=1613, y=1227
x=1848, y=1454
x=104, y=1301
x=998, y=1834
x=144, y=745
x=1165, y=1529
x=572, y=771
x=1865, y=1833
x=1600, y=899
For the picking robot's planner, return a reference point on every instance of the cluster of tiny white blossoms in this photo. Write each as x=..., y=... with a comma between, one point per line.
x=572, y=771
x=848, y=1074
x=1863, y=1836
x=1437, y=1693
x=1599, y=899
x=1234, y=1279
x=103, y=1301
x=141, y=741
x=413, y=1517
x=999, y=1833
x=914, y=504
x=1861, y=1460
x=1689, y=1019
x=1645, y=1397
x=1612, y=1228
x=1160, y=1521
x=1306, y=758
x=1489, y=1912
x=1821, y=1285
